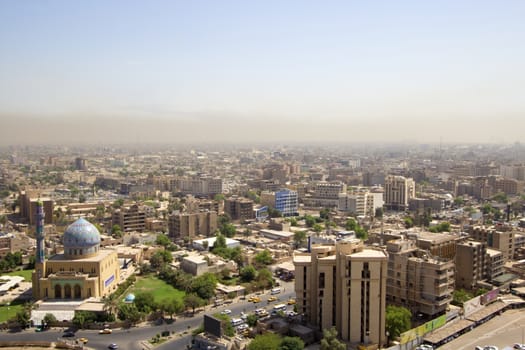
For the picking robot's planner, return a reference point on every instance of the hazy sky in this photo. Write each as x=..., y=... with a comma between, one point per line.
x=194, y=71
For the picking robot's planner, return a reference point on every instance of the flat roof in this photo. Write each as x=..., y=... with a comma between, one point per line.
x=302, y=258
x=370, y=253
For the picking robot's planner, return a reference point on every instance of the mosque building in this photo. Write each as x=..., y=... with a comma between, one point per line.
x=82, y=271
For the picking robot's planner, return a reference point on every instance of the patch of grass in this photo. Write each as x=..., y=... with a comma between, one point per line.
x=14, y=307
x=23, y=273
x=161, y=290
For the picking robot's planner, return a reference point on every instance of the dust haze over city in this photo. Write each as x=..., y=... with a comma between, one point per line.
x=262, y=175
x=181, y=72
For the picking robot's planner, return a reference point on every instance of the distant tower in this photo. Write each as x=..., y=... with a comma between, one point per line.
x=40, y=257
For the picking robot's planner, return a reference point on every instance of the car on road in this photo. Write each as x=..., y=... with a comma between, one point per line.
x=226, y=312
x=425, y=347
x=519, y=346
x=105, y=331
x=68, y=334
x=486, y=347
x=291, y=301
x=113, y=346
x=256, y=300
x=270, y=299
x=82, y=340
x=244, y=316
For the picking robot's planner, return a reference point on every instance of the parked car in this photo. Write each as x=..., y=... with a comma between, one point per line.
x=226, y=312
x=68, y=334
x=105, y=331
x=113, y=346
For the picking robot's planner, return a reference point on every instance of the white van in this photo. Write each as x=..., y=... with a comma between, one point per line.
x=279, y=307
x=275, y=291
x=236, y=322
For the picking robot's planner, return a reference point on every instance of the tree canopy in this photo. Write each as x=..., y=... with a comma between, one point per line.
x=397, y=320
x=330, y=341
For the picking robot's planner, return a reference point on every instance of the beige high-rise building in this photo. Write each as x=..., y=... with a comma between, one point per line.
x=470, y=264
x=398, y=191
x=239, y=208
x=344, y=285
x=130, y=219
x=191, y=225
x=418, y=281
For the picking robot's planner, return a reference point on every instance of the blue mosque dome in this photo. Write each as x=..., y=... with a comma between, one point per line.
x=130, y=298
x=81, y=239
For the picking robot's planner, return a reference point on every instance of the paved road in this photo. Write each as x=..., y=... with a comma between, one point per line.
x=502, y=331
x=130, y=339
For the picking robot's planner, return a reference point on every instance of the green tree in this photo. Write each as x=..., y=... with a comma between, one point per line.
x=409, y=222
x=263, y=258
x=172, y=306
x=248, y=273
x=193, y=301
x=324, y=213
x=317, y=228
x=23, y=317
x=309, y=221
x=118, y=203
x=228, y=230
x=160, y=258
x=264, y=278
x=226, y=324
x=267, y=341
x=49, y=319
x=219, y=197
x=459, y=296
x=251, y=319
x=397, y=320
x=291, y=343
x=129, y=312
x=204, y=285
x=116, y=230
x=330, y=342
x=299, y=238
x=350, y=224
x=163, y=240
x=145, y=302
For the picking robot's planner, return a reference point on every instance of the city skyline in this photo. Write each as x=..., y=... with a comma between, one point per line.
x=235, y=72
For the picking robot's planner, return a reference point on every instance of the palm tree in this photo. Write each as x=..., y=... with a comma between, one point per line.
x=110, y=304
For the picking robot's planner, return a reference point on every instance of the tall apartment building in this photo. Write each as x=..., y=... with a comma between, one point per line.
x=192, y=224
x=418, y=281
x=130, y=219
x=361, y=203
x=326, y=194
x=285, y=200
x=28, y=202
x=239, y=208
x=503, y=238
x=203, y=186
x=195, y=205
x=441, y=245
x=516, y=172
x=344, y=285
x=470, y=264
x=398, y=191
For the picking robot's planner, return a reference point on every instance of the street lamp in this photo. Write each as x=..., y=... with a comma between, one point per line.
x=8, y=303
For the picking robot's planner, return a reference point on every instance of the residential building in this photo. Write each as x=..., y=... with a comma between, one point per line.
x=398, y=191
x=285, y=200
x=471, y=266
x=130, y=219
x=192, y=224
x=418, y=281
x=28, y=203
x=238, y=208
x=344, y=285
